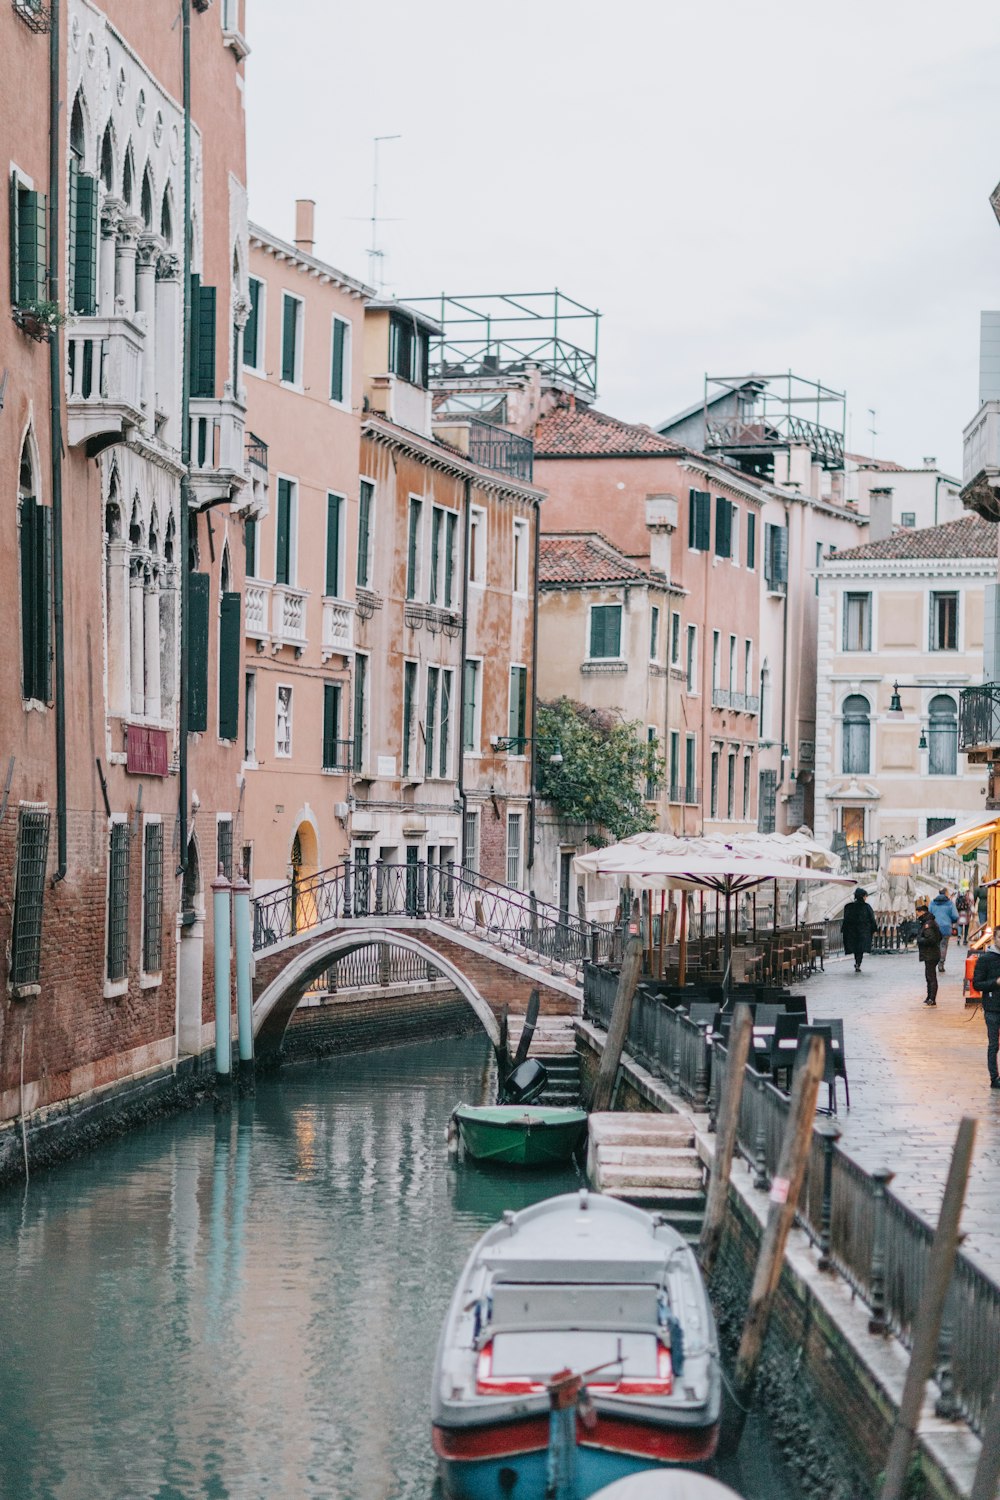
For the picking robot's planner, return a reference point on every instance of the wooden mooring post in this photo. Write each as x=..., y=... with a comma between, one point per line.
x=987, y=1480
x=785, y=1187
x=725, y=1141
x=621, y=1014
x=927, y=1323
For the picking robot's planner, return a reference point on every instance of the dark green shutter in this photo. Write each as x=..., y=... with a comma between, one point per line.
x=613, y=630
x=411, y=551
x=333, y=546
x=518, y=708
x=364, y=524
x=360, y=674
x=751, y=539
x=432, y=689
x=289, y=309
x=250, y=331
x=436, y=519
x=36, y=599
x=723, y=526
x=331, y=713
x=597, y=631
x=29, y=217
x=197, y=652
x=202, y=370
x=449, y=557
x=409, y=677
x=337, y=361
x=284, y=526
x=229, y=667
x=445, y=721
x=250, y=540
x=84, y=246
x=522, y=705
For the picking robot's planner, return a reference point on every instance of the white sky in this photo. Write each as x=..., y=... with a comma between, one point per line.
x=735, y=186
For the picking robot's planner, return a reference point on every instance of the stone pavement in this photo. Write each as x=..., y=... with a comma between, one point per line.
x=914, y=1071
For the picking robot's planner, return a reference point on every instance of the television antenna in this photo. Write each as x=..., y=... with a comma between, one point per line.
x=873, y=429
x=376, y=256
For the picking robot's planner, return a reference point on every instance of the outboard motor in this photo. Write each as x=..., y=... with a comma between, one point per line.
x=525, y=1083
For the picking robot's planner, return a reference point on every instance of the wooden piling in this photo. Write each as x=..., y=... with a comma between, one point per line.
x=785, y=1188
x=621, y=1014
x=725, y=1141
x=987, y=1480
x=927, y=1323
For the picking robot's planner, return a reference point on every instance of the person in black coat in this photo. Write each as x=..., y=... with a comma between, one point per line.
x=858, y=925
x=929, y=953
x=986, y=979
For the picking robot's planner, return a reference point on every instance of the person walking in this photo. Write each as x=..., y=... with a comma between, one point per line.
x=945, y=914
x=982, y=903
x=858, y=926
x=963, y=905
x=986, y=979
x=929, y=953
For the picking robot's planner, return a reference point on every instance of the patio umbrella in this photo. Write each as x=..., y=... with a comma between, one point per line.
x=726, y=872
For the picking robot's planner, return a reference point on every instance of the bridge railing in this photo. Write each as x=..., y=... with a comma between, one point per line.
x=515, y=920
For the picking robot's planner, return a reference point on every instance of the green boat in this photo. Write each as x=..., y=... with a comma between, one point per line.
x=523, y=1135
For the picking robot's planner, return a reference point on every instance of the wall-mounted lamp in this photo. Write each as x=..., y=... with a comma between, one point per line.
x=895, y=702
x=922, y=742
x=505, y=744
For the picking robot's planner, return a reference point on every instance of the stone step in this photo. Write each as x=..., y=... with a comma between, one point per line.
x=665, y=1174
x=684, y=1203
x=645, y=1156
x=639, y=1130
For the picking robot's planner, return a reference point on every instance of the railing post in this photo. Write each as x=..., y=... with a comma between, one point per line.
x=700, y=1097
x=421, y=888
x=877, y=1323
x=761, y=1180
x=449, y=891
x=946, y=1405
x=831, y=1135
x=348, y=896
x=379, y=886
x=384, y=964
x=594, y=939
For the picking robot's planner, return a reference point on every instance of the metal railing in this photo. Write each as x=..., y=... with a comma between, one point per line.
x=513, y=920
x=505, y=452
x=256, y=450
x=375, y=967
x=979, y=716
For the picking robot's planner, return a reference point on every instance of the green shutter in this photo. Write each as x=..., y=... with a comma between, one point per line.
x=229, y=667
x=29, y=213
x=29, y=600
x=436, y=519
x=364, y=524
x=409, y=674
x=411, y=551
x=250, y=541
x=337, y=361
x=522, y=704
x=751, y=539
x=449, y=557
x=445, y=722
x=197, y=713
x=432, y=687
x=331, y=714
x=333, y=546
x=250, y=331
x=289, y=309
x=84, y=246
x=360, y=674
x=469, y=707
x=284, y=527
x=36, y=599
x=518, y=708
x=723, y=526
x=202, y=366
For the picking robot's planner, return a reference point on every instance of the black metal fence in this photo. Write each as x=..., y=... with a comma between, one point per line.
x=979, y=717
x=375, y=967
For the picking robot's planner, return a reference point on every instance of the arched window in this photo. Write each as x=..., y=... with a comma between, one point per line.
x=108, y=159
x=857, y=735
x=83, y=206
x=146, y=199
x=167, y=218
x=942, y=736
x=35, y=545
x=128, y=177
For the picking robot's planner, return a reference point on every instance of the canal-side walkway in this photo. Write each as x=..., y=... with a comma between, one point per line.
x=914, y=1072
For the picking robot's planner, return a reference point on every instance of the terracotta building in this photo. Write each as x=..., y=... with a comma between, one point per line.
x=113, y=821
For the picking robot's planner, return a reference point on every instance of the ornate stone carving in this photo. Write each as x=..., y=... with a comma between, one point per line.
x=150, y=248
x=111, y=214
x=241, y=310
x=168, y=267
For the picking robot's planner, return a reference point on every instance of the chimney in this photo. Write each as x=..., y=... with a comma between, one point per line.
x=305, y=212
x=879, y=513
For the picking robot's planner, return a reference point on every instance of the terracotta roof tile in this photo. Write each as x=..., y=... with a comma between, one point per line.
x=581, y=432
x=584, y=557
x=969, y=537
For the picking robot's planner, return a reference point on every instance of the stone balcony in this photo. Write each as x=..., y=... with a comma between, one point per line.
x=258, y=608
x=218, y=450
x=104, y=395
x=288, y=617
x=338, y=628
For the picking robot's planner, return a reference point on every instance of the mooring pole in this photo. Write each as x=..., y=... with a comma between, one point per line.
x=244, y=997
x=621, y=1014
x=220, y=938
x=785, y=1188
x=927, y=1323
x=725, y=1141
x=984, y=1486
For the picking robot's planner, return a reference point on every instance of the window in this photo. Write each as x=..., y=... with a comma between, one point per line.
x=819, y=559
x=470, y=854
x=444, y=724
x=857, y=622
x=734, y=535
x=118, y=862
x=520, y=579
x=283, y=722
x=408, y=349
x=366, y=496
x=654, y=632
x=723, y=526
x=430, y=719
x=944, y=622
x=675, y=639
x=437, y=726
x=360, y=723
x=35, y=542
x=285, y=532
x=605, y=631
x=746, y=788
x=748, y=668
x=450, y=534
x=477, y=546
x=699, y=520
x=250, y=716
x=333, y=750
x=253, y=333
x=250, y=544
x=334, y=543
x=775, y=558
x=152, y=898
x=340, y=363
x=230, y=664
x=675, y=765
x=942, y=736
x=224, y=847
x=517, y=716
x=409, y=709
x=908, y=518
x=291, y=339
x=444, y=529
x=29, y=895
x=716, y=660
x=690, y=769
x=652, y=745
x=514, y=850
x=733, y=669
x=767, y=798
x=857, y=735
x=82, y=228
x=27, y=250
x=201, y=367
x=713, y=806
x=751, y=540
x=692, y=658
x=731, y=785
x=413, y=550
x=198, y=611
x=470, y=708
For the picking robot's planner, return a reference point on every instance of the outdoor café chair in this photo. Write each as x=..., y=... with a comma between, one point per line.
x=763, y=1029
x=785, y=1042
x=836, y=1066
x=806, y=1034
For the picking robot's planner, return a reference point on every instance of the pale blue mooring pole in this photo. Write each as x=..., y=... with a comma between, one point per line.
x=223, y=964
x=566, y=1392
x=244, y=994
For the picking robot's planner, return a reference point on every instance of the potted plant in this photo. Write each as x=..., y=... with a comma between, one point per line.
x=36, y=316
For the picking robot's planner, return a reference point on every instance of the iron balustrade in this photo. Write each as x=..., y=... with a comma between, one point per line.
x=505, y=452
x=374, y=967
x=979, y=716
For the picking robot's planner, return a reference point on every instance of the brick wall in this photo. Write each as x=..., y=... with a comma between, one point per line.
x=378, y=1018
x=493, y=840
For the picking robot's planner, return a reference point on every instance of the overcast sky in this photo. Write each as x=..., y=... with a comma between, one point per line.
x=735, y=186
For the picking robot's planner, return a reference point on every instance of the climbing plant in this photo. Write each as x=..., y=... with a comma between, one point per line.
x=606, y=767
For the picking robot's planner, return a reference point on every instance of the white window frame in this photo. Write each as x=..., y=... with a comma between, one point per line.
x=606, y=604
x=366, y=711
x=857, y=593
x=250, y=718
x=438, y=579
x=748, y=667
x=517, y=666
x=260, y=368
x=933, y=595
x=421, y=551
x=675, y=619
x=519, y=557
x=477, y=717
x=150, y=979
x=441, y=668
x=278, y=688
x=716, y=660
x=471, y=814
x=344, y=404
x=518, y=813
x=341, y=579
x=692, y=739
x=734, y=664
x=409, y=756
x=114, y=987
x=691, y=678
x=734, y=534
x=372, y=510
x=300, y=326
x=478, y=523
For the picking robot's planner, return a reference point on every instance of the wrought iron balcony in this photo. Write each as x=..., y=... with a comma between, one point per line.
x=105, y=381
x=979, y=721
x=338, y=755
x=256, y=450
x=684, y=794
x=338, y=628
x=505, y=452
x=218, y=449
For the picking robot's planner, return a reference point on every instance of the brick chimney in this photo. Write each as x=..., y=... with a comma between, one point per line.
x=305, y=213
x=879, y=513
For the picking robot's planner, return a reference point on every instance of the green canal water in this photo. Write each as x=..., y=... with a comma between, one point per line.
x=247, y=1304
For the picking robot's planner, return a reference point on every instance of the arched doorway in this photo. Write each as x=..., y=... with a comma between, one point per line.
x=190, y=955
x=304, y=865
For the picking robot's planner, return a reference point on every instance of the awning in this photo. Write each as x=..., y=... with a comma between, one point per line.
x=963, y=836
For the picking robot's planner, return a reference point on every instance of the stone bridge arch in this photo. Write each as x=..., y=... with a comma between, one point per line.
x=305, y=960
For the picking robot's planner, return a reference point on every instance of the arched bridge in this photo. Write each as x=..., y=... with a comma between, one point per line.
x=493, y=943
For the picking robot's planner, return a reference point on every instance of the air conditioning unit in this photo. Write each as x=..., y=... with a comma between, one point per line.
x=341, y=811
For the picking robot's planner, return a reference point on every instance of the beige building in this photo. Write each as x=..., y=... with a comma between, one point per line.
x=903, y=612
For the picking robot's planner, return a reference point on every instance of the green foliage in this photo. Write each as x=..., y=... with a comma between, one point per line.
x=606, y=763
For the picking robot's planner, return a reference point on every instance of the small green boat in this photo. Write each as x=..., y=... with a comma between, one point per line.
x=523, y=1135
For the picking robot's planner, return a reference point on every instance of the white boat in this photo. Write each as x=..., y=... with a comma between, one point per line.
x=654, y=1484
x=580, y=1285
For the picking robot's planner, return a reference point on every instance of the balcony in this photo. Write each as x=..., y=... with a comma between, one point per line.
x=218, y=449
x=338, y=756
x=687, y=795
x=288, y=617
x=505, y=452
x=338, y=628
x=979, y=723
x=104, y=398
x=981, y=462
x=258, y=596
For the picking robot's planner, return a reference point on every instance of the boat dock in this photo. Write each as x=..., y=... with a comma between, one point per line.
x=650, y=1160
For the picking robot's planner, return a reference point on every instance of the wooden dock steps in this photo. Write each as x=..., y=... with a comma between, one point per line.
x=649, y=1160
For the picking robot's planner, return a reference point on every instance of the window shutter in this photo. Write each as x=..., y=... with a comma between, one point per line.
x=445, y=721
x=751, y=538
x=597, y=631
x=197, y=714
x=512, y=729
x=360, y=682
x=29, y=599
x=781, y=554
x=43, y=666
x=469, y=707
x=229, y=667
x=31, y=262
x=522, y=703
x=337, y=371
x=436, y=520
x=250, y=331
x=202, y=366
x=330, y=726
x=12, y=238
x=411, y=551
x=289, y=310
x=281, y=556
x=364, y=522
x=333, y=546
x=432, y=691
x=613, y=630
x=84, y=246
x=449, y=556
x=723, y=526
x=250, y=540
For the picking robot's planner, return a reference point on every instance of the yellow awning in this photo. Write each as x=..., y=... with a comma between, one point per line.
x=961, y=836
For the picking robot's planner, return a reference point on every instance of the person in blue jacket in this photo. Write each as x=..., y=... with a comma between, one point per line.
x=945, y=913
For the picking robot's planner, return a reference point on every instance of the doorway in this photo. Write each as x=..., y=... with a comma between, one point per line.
x=190, y=956
x=852, y=825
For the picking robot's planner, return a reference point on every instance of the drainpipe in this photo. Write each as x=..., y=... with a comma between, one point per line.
x=182, y=530
x=534, y=696
x=462, y=797
x=784, y=651
x=55, y=434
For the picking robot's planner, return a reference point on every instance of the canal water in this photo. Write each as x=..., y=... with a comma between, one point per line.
x=247, y=1304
